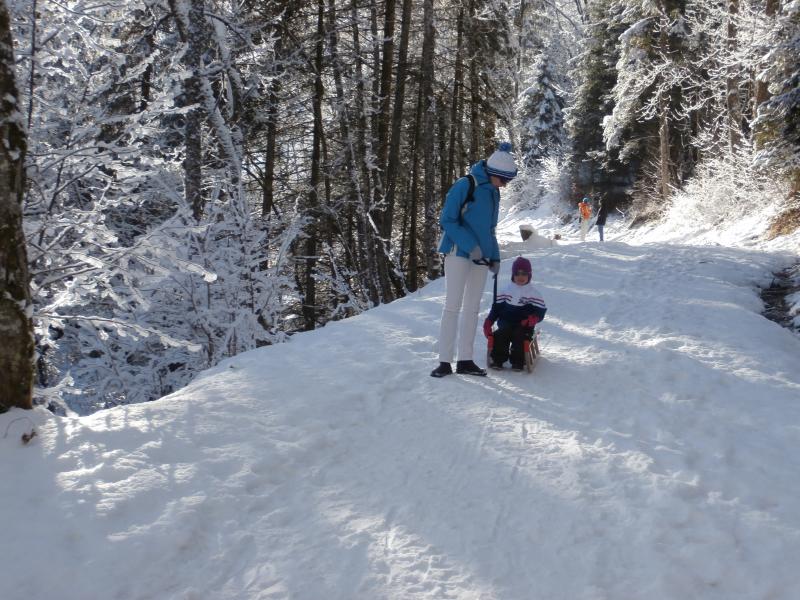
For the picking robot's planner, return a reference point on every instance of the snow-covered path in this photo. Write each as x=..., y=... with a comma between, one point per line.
x=652, y=454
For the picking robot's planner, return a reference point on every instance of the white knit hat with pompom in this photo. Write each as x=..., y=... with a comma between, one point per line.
x=501, y=163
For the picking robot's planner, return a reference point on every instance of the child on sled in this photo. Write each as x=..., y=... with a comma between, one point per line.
x=517, y=309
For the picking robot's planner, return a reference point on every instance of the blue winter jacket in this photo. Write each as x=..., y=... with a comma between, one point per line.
x=477, y=224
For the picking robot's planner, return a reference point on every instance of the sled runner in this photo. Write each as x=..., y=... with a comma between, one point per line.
x=531, y=350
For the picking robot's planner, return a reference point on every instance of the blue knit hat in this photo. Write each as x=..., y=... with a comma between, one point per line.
x=501, y=163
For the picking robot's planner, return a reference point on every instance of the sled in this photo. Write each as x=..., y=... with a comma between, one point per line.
x=530, y=350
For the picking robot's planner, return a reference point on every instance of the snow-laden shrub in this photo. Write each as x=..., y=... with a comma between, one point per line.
x=547, y=182
x=724, y=189
x=179, y=299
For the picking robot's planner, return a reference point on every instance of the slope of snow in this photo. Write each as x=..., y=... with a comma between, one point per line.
x=652, y=454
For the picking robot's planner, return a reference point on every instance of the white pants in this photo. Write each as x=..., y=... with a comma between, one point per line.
x=584, y=229
x=464, y=282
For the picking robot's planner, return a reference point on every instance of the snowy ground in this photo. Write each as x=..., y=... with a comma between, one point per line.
x=652, y=454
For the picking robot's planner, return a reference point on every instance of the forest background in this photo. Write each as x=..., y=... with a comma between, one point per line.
x=206, y=177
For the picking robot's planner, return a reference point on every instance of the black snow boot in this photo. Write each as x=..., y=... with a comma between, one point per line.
x=467, y=367
x=442, y=370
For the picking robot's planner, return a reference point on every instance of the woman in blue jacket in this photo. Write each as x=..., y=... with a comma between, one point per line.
x=470, y=248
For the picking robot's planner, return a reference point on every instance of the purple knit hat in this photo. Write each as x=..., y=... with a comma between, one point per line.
x=522, y=264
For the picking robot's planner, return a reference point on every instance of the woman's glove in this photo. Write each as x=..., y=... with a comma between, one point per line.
x=487, y=328
x=494, y=266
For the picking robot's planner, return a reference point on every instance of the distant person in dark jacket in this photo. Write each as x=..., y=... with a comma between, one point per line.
x=517, y=310
x=602, y=213
x=471, y=251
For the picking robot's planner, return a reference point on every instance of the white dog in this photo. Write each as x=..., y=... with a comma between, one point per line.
x=532, y=239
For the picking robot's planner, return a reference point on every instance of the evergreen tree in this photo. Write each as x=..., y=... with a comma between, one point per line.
x=647, y=120
x=778, y=119
x=540, y=116
x=595, y=77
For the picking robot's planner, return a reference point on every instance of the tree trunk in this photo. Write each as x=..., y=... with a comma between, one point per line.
x=367, y=243
x=581, y=10
x=475, y=100
x=670, y=132
x=384, y=116
x=664, y=178
x=455, y=107
x=281, y=32
x=762, y=86
x=268, y=186
x=312, y=232
x=429, y=224
x=375, y=100
x=443, y=133
x=413, y=201
x=32, y=73
x=353, y=158
x=480, y=60
x=664, y=167
x=383, y=123
x=732, y=82
x=16, y=329
x=191, y=27
x=393, y=163
x=520, y=24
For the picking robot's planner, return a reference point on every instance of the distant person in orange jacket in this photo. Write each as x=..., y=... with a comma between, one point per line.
x=585, y=215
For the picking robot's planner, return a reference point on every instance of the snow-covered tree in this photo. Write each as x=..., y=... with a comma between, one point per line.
x=136, y=289
x=594, y=76
x=540, y=116
x=651, y=72
x=778, y=119
x=207, y=176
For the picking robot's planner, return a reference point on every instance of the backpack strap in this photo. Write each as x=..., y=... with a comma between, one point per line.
x=470, y=196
